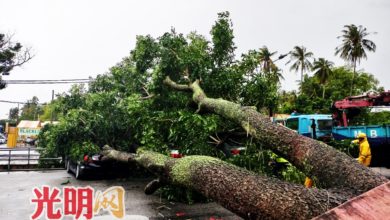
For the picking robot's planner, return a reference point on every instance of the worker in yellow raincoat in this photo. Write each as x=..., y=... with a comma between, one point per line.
x=308, y=182
x=364, y=149
x=364, y=155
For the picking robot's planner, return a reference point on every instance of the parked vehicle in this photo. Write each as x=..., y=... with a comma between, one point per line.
x=3, y=139
x=345, y=109
x=30, y=141
x=317, y=126
x=231, y=150
x=94, y=166
x=378, y=135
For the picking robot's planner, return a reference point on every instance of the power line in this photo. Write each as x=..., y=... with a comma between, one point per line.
x=13, y=102
x=16, y=102
x=31, y=83
x=55, y=81
x=32, y=80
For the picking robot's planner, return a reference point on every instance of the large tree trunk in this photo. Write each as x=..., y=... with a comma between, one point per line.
x=248, y=195
x=316, y=159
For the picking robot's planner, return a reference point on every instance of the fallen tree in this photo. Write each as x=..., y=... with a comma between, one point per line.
x=330, y=167
x=248, y=195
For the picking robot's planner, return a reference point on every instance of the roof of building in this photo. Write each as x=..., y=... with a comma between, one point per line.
x=374, y=204
x=29, y=124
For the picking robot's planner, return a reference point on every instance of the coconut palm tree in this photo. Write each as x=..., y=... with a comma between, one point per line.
x=266, y=62
x=300, y=57
x=322, y=71
x=354, y=46
x=276, y=75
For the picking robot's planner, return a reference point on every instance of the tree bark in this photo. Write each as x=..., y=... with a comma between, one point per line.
x=316, y=159
x=248, y=195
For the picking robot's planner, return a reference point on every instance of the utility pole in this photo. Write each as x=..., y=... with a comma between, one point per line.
x=17, y=115
x=52, y=98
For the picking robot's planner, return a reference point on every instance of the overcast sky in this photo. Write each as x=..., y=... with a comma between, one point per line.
x=82, y=38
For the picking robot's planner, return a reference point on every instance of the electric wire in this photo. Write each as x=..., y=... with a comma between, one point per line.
x=48, y=81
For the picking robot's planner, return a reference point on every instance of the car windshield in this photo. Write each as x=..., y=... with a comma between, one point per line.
x=292, y=123
x=324, y=124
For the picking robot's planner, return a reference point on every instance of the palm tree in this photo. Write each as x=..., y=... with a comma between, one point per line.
x=266, y=62
x=322, y=70
x=354, y=46
x=301, y=58
x=275, y=75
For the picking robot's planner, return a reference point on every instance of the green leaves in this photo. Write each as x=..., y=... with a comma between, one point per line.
x=314, y=99
x=222, y=38
x=144, y=53
x=302, y=60
x=11, y=55
x=354, y=47
x=31, y=110
x=354, y=44
x=190, y=132
x=130, y=106
x=79, y=150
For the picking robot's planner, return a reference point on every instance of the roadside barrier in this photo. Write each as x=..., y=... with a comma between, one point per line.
x=25, y=159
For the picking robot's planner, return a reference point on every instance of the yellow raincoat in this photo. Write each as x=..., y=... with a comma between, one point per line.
x=364, y=149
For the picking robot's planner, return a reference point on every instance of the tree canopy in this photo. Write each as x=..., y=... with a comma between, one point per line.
x=12, y=54
x=129, y=106
x=354, y=46
x=301, y=59
x=313, y=97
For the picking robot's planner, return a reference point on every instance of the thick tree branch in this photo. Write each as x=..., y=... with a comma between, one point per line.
x=123, y=157
x=248, y=195
x=172, y=84
x=314, y=158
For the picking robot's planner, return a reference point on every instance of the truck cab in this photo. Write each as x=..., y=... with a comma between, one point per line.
x=315, y=126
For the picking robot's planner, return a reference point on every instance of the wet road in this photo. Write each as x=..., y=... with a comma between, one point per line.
x=16, y=192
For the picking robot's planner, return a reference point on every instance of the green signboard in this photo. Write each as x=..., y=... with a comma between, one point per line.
x=29, y=131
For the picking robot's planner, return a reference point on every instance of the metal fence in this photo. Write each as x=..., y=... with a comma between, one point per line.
x=24, y=158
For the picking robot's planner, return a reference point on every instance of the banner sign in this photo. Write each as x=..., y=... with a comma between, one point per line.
x=29, y=131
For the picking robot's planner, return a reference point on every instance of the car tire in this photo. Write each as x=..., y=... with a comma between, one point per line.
x=67, y=166
x=79, y=172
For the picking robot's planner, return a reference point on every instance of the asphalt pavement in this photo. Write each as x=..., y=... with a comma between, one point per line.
x=16, y=191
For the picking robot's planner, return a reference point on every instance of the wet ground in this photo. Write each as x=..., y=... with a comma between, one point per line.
x=16, y=193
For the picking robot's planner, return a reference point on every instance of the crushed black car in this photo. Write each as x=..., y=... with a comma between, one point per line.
x=95, y=166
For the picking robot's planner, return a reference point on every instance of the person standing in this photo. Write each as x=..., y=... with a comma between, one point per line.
x=364, y=149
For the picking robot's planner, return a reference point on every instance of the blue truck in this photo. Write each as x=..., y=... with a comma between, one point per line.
x=322, y=127
x=316, y=126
